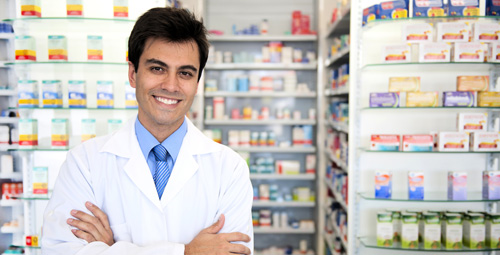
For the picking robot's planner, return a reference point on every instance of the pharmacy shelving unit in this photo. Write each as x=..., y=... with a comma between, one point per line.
x=367, y=75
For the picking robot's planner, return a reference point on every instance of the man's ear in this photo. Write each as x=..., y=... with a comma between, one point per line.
x=131, y=74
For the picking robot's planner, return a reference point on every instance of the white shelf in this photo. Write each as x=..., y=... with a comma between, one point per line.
x=10, y=202
x=7, y=92
x=258, y=203
x=261, y=66
x=337, y=195
x=8, y=147
x=271, y=230
x=344, y=90
x=341, y=25
x=276, y=149
x=342, y=54
x=282, y=177
x=11, y=230
x=261, y=122
x=260, y=94
x=3, y=64
x=262, y=38
x=339, y=126
x=7, y=120
x=337, y=161
x=7, y=36
x=14, y=175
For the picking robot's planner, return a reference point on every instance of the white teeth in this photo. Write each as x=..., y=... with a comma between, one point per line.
x=166, y=101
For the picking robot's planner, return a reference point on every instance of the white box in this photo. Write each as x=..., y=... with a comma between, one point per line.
x=453, y=32
x=485, y=141
x=434, y=52
x=468, y=52
x=399, y=53
x=453, y=141
x=472, y=122
x=494, y=52
x=486, y=32
x=417, y=33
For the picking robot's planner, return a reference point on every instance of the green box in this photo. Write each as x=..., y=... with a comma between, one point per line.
x=452, y=227
x=385, y=232
x=474, y=231
x=493, y=230
x=409, y=230
x=431, y=230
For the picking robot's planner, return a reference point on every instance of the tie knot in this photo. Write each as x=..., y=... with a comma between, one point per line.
x=160, y=153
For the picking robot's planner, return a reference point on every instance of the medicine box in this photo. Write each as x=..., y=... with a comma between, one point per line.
x=58, y=47
x=130, y=99
x=415, y=185
x=434, y=52
x=88, y=129
x=429, y=8
x=457, y=186
x=492, y=7
x=400, y=53
x=27, y=92
x=488, y=99
x=452, y=227
x=492, y=237
x=113, y=125
x=453, y=141
x=431, y=233
x=25, y=46
x=418, y=142
x=52, y=94
x=387, y=99
x=464, y=8
x=105, y=95
x=370, y=14
x=474, y=231
x=404, y=84
x=486, y=32
x=393, y=9
x=77, y=96
x=31, y=8
x=383, y=184
x=396, y=224
x=417, y=33
x=485, y=141
x=458, y=99
x=28, y=133
x=472, y=122
x=40, y=181
x=468, y=52
x=94, y=47
x=491, y=185
x=74, y=8
x=494, y=52
x=422, y=99
x=384, y=229
x=409, y=230
x=60, y=135
x=385, y=142
x=120, y=8
x=453, y=31
x=473, y=83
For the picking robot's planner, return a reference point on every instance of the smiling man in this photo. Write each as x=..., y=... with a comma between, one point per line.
x=157, y=186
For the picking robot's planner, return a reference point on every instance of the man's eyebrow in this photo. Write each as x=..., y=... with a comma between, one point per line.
x=190, y=67
x=156, y=62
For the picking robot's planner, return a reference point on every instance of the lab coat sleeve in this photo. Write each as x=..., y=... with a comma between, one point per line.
x=72, y=189
x=236, y=204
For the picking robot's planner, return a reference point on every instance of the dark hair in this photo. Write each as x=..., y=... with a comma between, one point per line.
x=171, y=24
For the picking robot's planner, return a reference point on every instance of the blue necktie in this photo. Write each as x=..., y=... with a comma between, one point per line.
x=163, y=168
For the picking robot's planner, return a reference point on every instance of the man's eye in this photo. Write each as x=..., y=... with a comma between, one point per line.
x=156, y=69
x=186, y=73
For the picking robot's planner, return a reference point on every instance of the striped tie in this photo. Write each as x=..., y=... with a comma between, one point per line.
x=163, y=168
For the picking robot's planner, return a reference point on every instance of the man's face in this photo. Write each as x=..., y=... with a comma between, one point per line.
x=166, y=82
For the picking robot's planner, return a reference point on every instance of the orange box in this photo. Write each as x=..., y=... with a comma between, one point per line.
x=473, y=83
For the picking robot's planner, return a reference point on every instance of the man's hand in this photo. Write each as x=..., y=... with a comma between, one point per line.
x=92, y=228
x=208, y=242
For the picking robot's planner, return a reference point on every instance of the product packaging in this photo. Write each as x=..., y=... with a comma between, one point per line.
x=417, y=33
x=58, y=48
x=383, y=184
x=28, y=133
x=390, y=99
x=74, y=8
x=77, y=97
x=491, y=185
x=472, y=122
x=404, y=84
x=415, y=185
x=311, y=164
x=431, y=234
x=485, y=141
x=60, y=134
x=488, y=99
x=396, y=224
x=453, y=141
x=94, y=47
x=40, y=180
x=31, y=8
x=429, y=8
x=115, y=124
x=370, y=14
x=409, y=230
x=385, y=142
x=27, y=91
x=52, y=94
x=105, y=95
x=120, y=8
x=384, y=229
x=25, y=46
x=474, y=231
x=486, y=32
x=88, y=129
x=457, y=186
x=452, y=227
x=422, y=99
x=418, y=142
x=494, y=52
x=458, y=99
x=473, y=83
x=218, y=106
x=468, y=52
x=464, y=8
x=453, y=31
x=397, y=9
x=434, y=52
x=400, y=53
x=289, y=167
x=492, y=230
x=492, y=8
x=130, y=99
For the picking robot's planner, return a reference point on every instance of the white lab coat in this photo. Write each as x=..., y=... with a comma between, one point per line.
x=208, y=180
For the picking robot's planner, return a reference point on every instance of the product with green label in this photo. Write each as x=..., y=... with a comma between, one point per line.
x=409, y=230
x=396, y=224
x=431, y=230
x=493, y=230
x=474, y=231
x=385, y=232
x=452, y=225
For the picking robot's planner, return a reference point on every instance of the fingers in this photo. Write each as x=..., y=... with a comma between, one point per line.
x=239, y=249
x=236, y=237
x=83, y=235
x=103, y=218
x=84, y=226
x=216, y=227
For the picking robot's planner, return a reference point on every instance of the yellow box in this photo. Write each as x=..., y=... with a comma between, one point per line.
x=404, y=84
x=473, y=83
x=422, y=99
x=488, y=99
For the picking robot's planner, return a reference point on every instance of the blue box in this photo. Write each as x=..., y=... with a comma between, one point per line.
x=492, y=7
x=415, y=186
x=429, y=8
x=393, y=10
x=370, y=14
x=463, y=8
x=383, y=185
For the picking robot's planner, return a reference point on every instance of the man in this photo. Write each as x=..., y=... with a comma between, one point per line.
x=157, y=185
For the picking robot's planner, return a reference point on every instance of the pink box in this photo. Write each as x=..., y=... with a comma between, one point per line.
x=418, y=142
